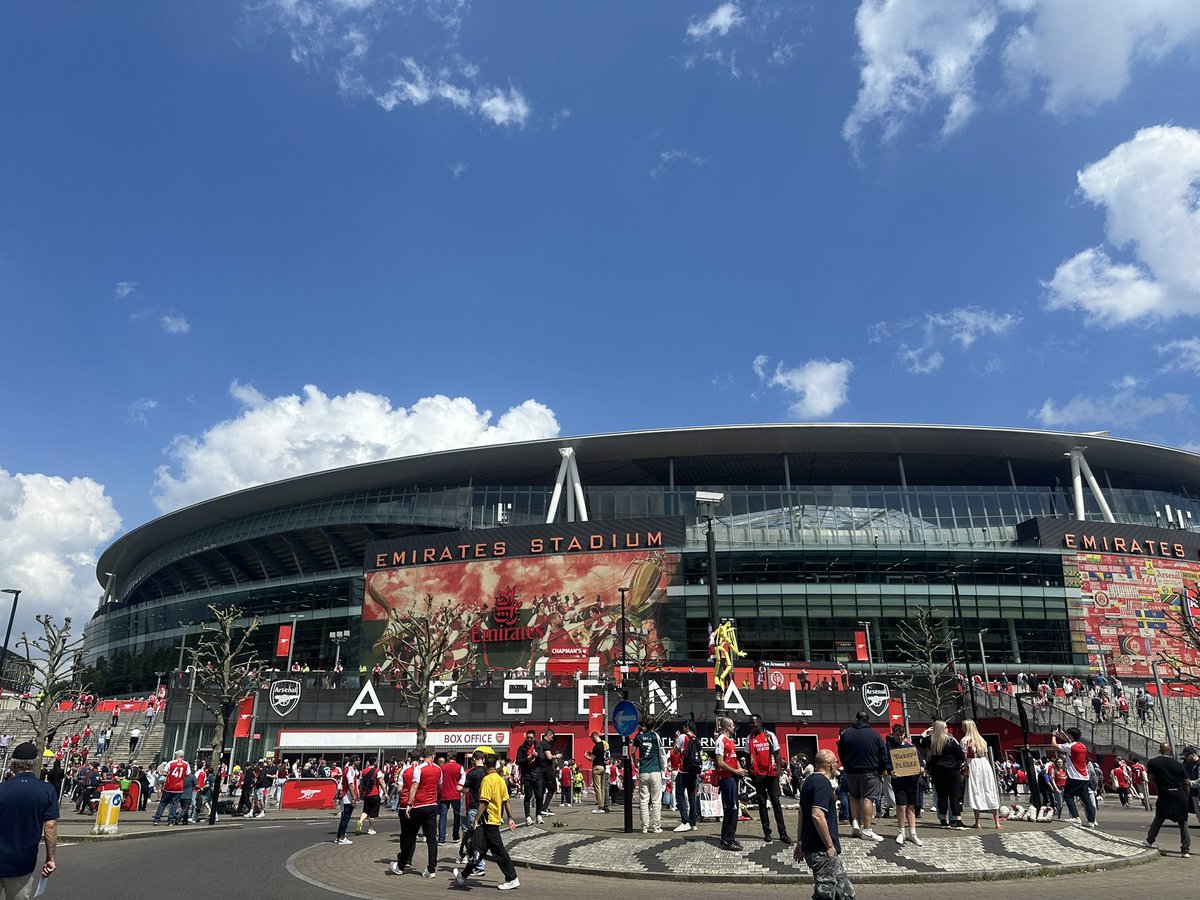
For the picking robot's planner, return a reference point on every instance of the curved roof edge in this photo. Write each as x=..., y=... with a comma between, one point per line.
x=707, y=440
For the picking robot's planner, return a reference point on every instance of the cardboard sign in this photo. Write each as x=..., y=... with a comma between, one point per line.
x=905, y=762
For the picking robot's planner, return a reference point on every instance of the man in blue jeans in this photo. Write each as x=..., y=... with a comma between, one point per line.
x=729, y=770
x=687, y=796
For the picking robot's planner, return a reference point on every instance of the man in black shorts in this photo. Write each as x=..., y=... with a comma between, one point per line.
x=368, y=789
x=864, y=759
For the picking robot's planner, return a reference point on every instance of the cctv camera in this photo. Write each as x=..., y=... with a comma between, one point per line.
x=713, y=497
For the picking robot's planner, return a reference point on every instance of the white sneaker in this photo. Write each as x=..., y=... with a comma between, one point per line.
x=459, y=879
x=425, y=873
x=681, y=828
x=656, y=830
x=370, y=831
x=343, y=841
x=900, y=838
x=548, y=812
x=528, y=821
x=540, y=820
x=916, y=840
x=645, y=830
x=868, y=835
x=510, y=885
x=395, y=869
x=854, y=829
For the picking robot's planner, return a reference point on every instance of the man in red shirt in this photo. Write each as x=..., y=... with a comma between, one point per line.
x=728, y=770
x=176, y=770
x=368, y=789
x=765, y=763
x=420, y=807
x=1137, y=777
x=450, y=798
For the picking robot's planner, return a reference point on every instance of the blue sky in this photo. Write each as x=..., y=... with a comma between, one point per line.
x=240, y=241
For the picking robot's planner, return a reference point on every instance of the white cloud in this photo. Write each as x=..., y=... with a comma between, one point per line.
x=175, y=324
x=820, y=385
x=963, y=325
x=458, y=168
x=125, y=288
x=282, y=437
x=1182, y=355
x=670, y=158
x=1081, y=51
x=139, y=410
x=357, y=41
x=1149, y=188
x=1125, y=407
x=920, y=360
x=719, y=22
x=416, y=87
x=916, y=53
x=51, y=532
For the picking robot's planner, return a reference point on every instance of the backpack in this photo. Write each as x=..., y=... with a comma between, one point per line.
x=691, y=755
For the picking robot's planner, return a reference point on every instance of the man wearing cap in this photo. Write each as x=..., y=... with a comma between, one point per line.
x=28, y=812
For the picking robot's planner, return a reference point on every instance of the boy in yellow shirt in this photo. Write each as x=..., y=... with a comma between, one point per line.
x=493, y=810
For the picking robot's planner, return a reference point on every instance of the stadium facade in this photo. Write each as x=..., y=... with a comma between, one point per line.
x=1060, y=552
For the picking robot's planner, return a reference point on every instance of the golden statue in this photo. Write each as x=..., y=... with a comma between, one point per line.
x=725, y=649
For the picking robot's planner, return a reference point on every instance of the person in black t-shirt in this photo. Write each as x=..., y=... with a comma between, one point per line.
x=819, y=846
x=1168, y=774
x=481, y=764
x=529, y=764
x=598, y=757
x=549, y=782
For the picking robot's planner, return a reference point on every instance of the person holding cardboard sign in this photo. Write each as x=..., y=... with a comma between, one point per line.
x=904, y=765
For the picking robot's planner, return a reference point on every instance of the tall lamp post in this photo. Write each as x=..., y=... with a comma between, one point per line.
x=16, y=595
x=987, y=682
x=962, y=642
x=295, y=617
x=707, y=502
x=187, y=721
x=866, y=624
x=338, y=638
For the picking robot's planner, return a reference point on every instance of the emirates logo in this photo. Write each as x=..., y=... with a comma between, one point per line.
x=506, y=607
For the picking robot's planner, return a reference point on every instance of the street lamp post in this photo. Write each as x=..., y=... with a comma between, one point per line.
x=187, y=721
x=962, y=642
x=707, y=502
x=866, y=624
x=295, y=617
x=16, y=595
x=624, y=635
x=987, y=682
x=338, y=638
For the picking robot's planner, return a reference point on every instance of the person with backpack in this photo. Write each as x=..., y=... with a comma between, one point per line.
x=368, y=789
x=349, y=790
x=687, y=783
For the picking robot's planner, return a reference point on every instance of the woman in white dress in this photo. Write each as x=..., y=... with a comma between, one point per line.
x=983, y=793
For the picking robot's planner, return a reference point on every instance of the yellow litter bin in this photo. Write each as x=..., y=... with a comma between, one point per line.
x=108, y=812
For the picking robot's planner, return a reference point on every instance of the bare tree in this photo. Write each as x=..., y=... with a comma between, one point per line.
x=52, y=659
x=925, y=644
x=431, y=638
x=226, y=669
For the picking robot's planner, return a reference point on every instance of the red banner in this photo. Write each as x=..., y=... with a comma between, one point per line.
x=309, y=793
x=895, y=712
x=284, y=642
x=596, y=715
x=860, y=646
x=245, y=710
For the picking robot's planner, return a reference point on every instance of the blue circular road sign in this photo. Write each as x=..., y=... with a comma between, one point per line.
x=625, y=718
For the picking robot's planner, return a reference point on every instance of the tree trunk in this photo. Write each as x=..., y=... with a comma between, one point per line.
x=422, y=719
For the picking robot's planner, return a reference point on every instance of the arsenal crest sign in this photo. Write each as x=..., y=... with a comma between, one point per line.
x=285, y=696
x=876, y=695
